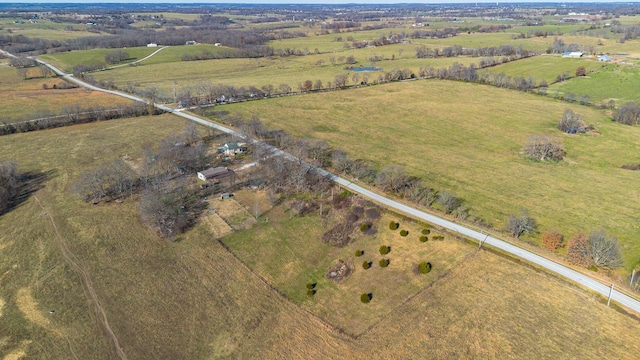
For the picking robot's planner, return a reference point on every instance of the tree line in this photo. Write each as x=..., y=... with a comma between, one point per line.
x=73, y=114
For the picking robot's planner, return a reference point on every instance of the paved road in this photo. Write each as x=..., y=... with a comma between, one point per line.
x=485, y=239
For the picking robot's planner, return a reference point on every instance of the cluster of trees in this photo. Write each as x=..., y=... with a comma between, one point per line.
x=112, y=179
x=167, y=204
x=469, y=73
x=230, y=53
x=627, y=32
x=434, y=34
x=9, y=184
x=628, y=114
x=559, y=47
x=71, y=115
x=516, y=52
x=597, y=249
x=381, y=41
x=22, y=62
x=116, y=56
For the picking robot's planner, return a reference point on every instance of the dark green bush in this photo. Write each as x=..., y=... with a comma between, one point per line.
x=384, y=249
x=424, y=267
x=404, y=233
x=593, y=268
x=365, y=298
x=426, y=231
x=393, y=225
x=366, y=265
x=364, y=227
x=359, y=253
x=311, y=292
x=383, y=263
x=423, y=239
x=311, y=285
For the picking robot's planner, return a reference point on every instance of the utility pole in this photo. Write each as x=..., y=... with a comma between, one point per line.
x=610, y=291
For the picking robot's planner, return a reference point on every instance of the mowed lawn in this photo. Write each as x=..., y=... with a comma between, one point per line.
x=467, y=138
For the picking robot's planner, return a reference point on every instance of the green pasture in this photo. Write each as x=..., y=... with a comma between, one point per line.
x=67, y=60
x=609, y=82
x=467, y=138
x=259, y=72
x=546, y=67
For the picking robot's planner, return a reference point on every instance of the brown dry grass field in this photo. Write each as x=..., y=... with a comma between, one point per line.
x=26, y=98
x=193, y=299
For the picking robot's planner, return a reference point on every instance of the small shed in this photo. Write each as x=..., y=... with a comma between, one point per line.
x=604, y=58
x=215, y=173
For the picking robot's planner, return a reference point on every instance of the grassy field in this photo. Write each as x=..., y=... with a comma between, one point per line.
x=543, y=67
x=258, y=72
x=193, y=299
x=45, y=29
x=290, y=258
x=67, y=60
x=27, y=98
x=608, y=82
x=467, y=138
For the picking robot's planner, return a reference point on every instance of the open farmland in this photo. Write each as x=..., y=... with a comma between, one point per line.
x=45, y=29
x=467, y=138
x=67, y=60
x=543, y=67
x=264, y=71
x=27, y=99
x=194, y=299
x=608, y=82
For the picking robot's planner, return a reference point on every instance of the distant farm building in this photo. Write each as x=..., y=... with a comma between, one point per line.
x=215, y=173
x=572, y=54
x=191, y=42
x=604, y=58
x=152, y=45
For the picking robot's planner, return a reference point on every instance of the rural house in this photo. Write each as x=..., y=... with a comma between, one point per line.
x=215, y=173
x=232, y=148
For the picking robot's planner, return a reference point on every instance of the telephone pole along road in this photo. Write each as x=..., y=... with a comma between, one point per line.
x=482, y=238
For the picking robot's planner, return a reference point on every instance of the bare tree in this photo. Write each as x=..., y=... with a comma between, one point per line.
x=340, y=80
x=340, y=161
x=448, y=200
x=284, y=88
x=8, y=183
x=571, y=122
x=392, y=178
x=604, y=250
x=522, y=223
x=543, y=147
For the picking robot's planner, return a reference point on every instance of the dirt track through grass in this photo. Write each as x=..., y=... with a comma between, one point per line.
x=77, y=265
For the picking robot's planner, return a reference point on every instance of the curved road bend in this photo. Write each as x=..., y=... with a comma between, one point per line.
x=545, y=263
